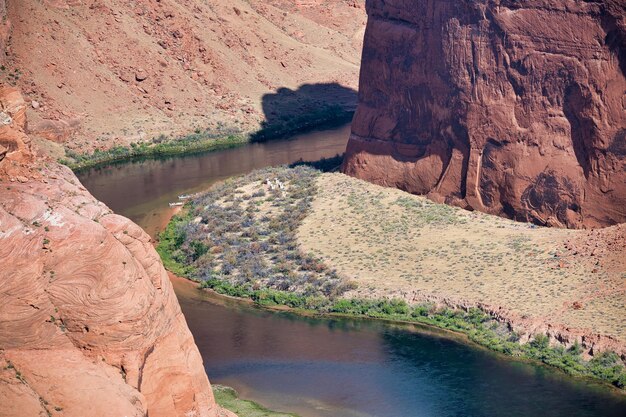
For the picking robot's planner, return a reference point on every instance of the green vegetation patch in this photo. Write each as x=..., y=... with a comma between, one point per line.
x=325, y=117
x=229, y=399
x=160, y=147
x=169, y=242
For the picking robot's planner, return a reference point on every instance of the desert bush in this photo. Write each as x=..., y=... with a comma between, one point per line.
x=540, y=342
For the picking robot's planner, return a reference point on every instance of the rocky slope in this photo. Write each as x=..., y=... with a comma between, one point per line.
x=105, y=73
x=88, y=316
x=514, y=108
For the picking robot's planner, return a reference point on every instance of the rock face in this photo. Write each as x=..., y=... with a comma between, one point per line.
x=516, y=108
x=89, y=323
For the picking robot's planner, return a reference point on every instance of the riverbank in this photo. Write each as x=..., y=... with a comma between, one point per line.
x=453, y=325
x=247, y=239
x=474, y=325
x=229, y=399
x=336, y=366
x=204, y=141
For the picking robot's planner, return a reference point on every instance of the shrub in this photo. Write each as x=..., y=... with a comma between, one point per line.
x=420, y=311
x=540, y=342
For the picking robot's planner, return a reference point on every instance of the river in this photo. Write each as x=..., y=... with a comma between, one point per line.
x=328, y=367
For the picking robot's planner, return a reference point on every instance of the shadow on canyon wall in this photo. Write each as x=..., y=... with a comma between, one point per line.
x=309, y=107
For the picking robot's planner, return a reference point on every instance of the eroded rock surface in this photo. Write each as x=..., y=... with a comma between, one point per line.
x=516, y=108
x=89, y=322
x=115, y=72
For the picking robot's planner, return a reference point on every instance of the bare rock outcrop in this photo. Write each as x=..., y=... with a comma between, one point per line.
x=516, y=108
x=89, y=322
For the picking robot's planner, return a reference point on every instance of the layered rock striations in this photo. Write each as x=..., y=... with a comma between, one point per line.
x=516, y=108
x=89, y=323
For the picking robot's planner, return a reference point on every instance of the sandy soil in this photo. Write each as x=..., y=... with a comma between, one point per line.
x=400, y=245
x=113, y=72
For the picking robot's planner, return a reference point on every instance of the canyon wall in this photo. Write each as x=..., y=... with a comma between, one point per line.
x=114, y=72
x=89, y=322
x=516, y=108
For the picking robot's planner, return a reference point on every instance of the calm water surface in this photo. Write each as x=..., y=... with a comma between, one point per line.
x=349, y=368
x=335, y=367
x=142, y=190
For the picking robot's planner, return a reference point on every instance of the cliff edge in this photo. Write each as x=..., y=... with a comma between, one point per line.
x=515, y=108
x=89, y=322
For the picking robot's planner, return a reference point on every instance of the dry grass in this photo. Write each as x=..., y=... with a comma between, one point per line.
x=396, y=244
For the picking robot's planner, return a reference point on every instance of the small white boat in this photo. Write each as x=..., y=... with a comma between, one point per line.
x=184, y=196
x=176, y=204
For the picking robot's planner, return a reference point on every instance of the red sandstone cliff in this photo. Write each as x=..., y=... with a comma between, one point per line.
x=516, y=108
x=89, y=323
